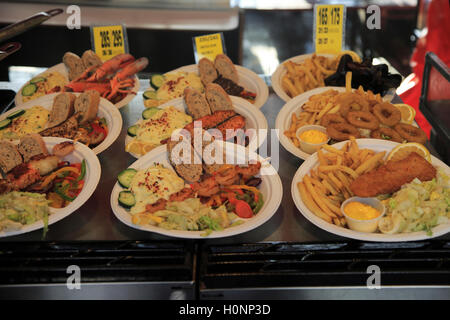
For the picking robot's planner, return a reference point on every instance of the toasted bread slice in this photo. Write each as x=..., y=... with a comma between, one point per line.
x=62, y=109
x=32, y=145
x=217, y=98
x=196, y=103
x=74, y=64
x=90, y=59
x=87, y=105
x=190, y=171
x=207, y=71
x=9, y=157
x=212, y=161
x=226, y=68
x=67, y=129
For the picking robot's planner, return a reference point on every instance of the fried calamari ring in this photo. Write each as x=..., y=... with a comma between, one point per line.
x=331, y=118
x=411, y=133
x=350, y=101
x=386, y=133
x=387, y=114
x=363, y=119
x=342, y=131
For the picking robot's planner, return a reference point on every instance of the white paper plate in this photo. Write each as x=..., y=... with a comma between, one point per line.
x=254, y=119
x=61, y=68
x=373, y=144
x=270, y=187
x=91, y=180
x=284, y=117
x=247, y=79
x=105, y=110
x=281, y=70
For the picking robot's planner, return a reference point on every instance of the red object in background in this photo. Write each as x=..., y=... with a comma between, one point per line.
x=436, y=40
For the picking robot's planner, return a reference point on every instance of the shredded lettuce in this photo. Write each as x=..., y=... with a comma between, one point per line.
x=423, y=205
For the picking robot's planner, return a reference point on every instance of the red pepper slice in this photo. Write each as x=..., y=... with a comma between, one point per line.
x=243, y=209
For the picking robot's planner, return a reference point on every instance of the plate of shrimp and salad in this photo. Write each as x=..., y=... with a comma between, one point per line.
x=198, y=198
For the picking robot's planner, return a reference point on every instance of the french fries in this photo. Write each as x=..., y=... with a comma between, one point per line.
x=327, y=186
x=307, y=75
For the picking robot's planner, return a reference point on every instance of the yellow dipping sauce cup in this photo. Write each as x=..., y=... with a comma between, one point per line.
x=363, y=214
x=312, y=137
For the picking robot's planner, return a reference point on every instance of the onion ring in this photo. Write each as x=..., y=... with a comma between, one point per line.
x=411, y=133
x=387, y=114
x=363, y=119
x=350, y=101
x=386, y=133
x=332, y=118
x=342, y=131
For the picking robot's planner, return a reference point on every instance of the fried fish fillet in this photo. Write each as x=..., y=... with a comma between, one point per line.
x=389, y=177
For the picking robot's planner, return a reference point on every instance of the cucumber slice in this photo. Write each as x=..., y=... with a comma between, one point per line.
x=126, y=199
x=150, y=94
x=126, y=176
x=5, y=123
x=149, y=112
x=132, y=131
x=37, y=79
x=16, y=114
x=157, y=81
x=29, y=89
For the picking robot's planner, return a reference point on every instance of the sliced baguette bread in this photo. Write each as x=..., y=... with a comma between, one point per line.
x=90, y=59
x=212, y=161
x=196, y=103
x=31, y=145
x=62, y=109
x=207, y=71
x=226, y=68
x=9, y=157
x=217, y=98
x=74, y=64
x=190, y=171
x=86, y=104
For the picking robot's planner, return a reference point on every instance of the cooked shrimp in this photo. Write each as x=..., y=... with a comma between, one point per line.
x=63, y=149
x=182, y=195
x=227, y=177
x=249, y=171
x=206, y=188
x=158, y=205
x=23, y=176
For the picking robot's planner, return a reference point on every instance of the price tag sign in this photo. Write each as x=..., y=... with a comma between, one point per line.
x=109, y=41
x=208, y=46
x=329, y=28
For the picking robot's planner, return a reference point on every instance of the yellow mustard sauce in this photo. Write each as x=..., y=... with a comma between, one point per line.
x=361, y=211
x=313, y=136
